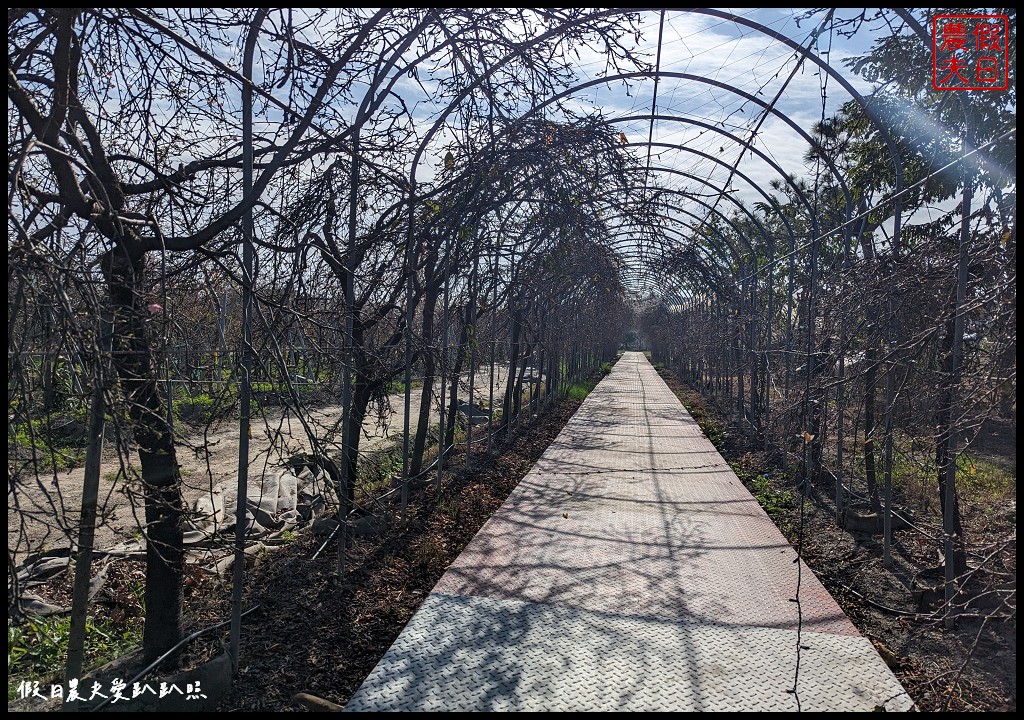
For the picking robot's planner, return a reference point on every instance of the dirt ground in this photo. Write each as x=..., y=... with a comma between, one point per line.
x=42, y=513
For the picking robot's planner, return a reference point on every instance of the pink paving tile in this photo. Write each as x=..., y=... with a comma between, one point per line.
x=632, y=510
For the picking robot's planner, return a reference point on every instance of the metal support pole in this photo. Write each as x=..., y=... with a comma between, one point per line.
x=948, y=524
x=245, y=365
x=347, y=479
x=410, y=316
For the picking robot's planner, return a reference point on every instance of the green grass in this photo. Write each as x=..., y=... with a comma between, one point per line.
x=915, y=475
x=377, y=467
x=580, y=389
x=709, y=424
x=775, y=501
x=38, y=649
x=984, y=479
x=197, y=410
x=64, y=451
x=397, y=387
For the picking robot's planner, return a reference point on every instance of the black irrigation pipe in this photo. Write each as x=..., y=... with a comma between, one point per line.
x=174, y=649
x=378, y=499
x=890, y=610
x=934, y=615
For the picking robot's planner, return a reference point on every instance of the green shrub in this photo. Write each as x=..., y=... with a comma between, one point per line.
x=196, y=409
x=51, y=447
x=376, y=468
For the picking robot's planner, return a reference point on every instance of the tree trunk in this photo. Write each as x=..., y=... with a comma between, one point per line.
x=362, y=392
x=427, y=391
x=524, y=355
x=161, y=480
x=462, y=354
x=510, y=381
x=870, y=472
x=943, y=459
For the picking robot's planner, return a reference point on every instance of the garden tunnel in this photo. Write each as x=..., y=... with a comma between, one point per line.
x=238, y=217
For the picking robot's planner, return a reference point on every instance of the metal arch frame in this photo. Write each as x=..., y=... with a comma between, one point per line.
x=771, y=163
x=712, y=186
x=770, y=242
x=658, y=74
x=664, y=275
x=625, y=76
x=700, y=220
x=771, y=201
x=531, y=247
x=741, y=299
x=811, y=142
x=839, y=78
x=741, y=206
x=872, y=116
x=673, y=191
x=714, y=83
x=534, y=246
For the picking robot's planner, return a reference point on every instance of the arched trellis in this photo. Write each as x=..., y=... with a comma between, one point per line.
x=659, y=74
x=766, y=108
x=737, y=257
x=896, y=220
x=756, y=406
x=479, y=79
x=770, y=201
x=699, y=282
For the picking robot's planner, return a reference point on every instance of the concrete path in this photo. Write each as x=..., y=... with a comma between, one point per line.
x=630, y=570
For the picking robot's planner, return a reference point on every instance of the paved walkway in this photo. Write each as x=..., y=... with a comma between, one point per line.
x=629, y=570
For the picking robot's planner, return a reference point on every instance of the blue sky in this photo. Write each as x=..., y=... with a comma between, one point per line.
x=721, y=50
